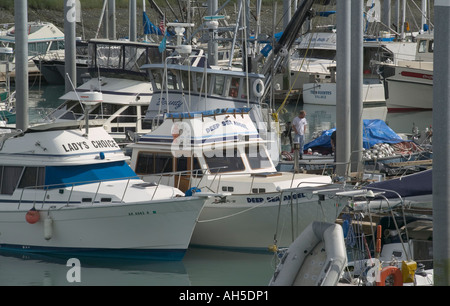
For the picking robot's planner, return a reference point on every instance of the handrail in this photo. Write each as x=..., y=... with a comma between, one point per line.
x=72, y=186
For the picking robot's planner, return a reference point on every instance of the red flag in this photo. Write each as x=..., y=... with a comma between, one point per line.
x=161, y=26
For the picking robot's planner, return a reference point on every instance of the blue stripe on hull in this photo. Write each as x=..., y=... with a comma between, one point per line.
x=147, y=254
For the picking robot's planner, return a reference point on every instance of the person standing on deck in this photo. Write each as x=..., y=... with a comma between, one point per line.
x=299, y=125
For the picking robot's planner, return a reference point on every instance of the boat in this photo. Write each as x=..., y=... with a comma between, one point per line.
x=409, y=83
x=413, y=188
x=67, y=189
x=396, y=252
x=317, y=257
x=126, y=89
x=323, y=91
x=52, y=66
x=222, y=151
x=385, y=153
x=200, y=88
x=314, y=57
x=43, y=38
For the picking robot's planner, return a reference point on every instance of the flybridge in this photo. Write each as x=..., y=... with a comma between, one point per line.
x=205, y=127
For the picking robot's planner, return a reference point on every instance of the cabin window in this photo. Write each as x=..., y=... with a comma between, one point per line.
x=244, y=91
x=234, y=87
x=135, y=57
x=257, y=157
x=219, y=84
x=172, y=82
x=127, y=115
x=431, y=46
x=226, y=160
x=32, y=177
x=109, y=56
x=37, y=48
x=145, y=124
x=182, y=165
x=200, y=82
x=154, y=163
x=228, y=188
x=10, y=178
x=186, y=79
x=154, y=56
x=58, y=45
x=157, y=79
x=423, y=46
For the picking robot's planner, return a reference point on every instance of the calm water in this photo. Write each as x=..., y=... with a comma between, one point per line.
x=200, y=267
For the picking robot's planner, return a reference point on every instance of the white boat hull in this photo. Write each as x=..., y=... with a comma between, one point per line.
x=325, y=94
x=139, y=230
x=257, y=221
x=410, y=89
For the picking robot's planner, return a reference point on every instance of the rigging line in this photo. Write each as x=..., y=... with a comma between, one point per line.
x=292, y=86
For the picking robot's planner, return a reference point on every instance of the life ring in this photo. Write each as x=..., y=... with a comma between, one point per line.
x=258, y=88
x=390, y=270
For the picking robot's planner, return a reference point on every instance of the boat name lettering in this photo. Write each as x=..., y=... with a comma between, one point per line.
x=138, y=213
x=75, y=146
x=175, y=104
x=276, y=198
x=104, y=144
x=321, y=92
x=212, y=128
x=229, y=122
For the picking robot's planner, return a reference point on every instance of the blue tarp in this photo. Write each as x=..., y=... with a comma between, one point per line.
x=374, y=131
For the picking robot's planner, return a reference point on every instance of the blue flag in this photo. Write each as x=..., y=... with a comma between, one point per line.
x=149, y=27
x=162, y=45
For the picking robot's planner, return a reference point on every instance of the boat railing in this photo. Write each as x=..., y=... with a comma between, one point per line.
x=64, y=186
x=193, y=173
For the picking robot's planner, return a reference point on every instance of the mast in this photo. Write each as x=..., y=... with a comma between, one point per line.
x=282, y=47
x=132, y=13
x=21, y=36
x=112, y=19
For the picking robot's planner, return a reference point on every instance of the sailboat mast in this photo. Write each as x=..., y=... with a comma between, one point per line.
x=132, y=12
x=21, y=53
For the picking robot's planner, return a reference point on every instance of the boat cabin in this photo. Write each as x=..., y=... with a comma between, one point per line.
x=185, y=88
x=43, y=38
x=189, y=148
x=115, y=69
x=425, y=47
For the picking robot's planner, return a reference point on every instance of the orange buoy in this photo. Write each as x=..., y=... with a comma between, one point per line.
x=32, y=216
x=390, y=270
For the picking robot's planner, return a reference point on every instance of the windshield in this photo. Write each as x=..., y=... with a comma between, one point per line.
x=226, y=160
x=257, y=157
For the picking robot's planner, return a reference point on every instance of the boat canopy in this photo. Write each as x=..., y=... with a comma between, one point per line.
x=374, y=131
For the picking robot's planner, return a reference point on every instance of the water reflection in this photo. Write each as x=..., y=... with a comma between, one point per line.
x=17, y=269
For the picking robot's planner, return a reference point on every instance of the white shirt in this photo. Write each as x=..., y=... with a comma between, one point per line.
x=300, y=124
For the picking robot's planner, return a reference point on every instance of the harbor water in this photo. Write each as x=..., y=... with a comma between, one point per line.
x=200, y=266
